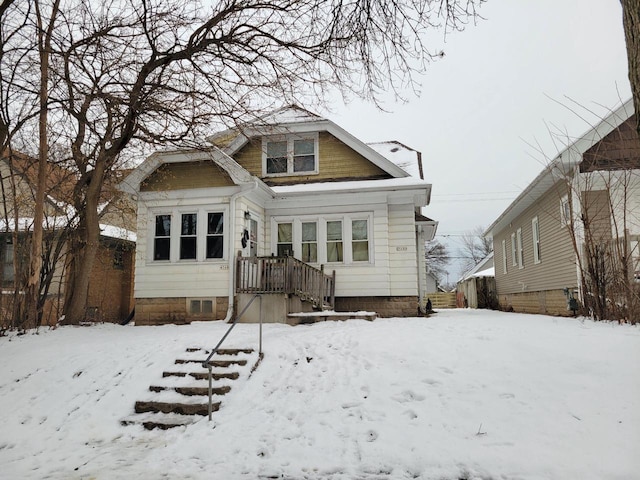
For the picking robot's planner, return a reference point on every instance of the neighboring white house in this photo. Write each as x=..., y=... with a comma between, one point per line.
x=294, y=208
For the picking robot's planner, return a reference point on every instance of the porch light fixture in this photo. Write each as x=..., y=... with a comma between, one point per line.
x=247, y=215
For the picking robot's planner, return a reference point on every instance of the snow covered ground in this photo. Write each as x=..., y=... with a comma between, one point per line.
x=463, y=394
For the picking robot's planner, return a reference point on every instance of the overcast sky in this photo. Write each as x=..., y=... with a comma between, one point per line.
x=494, y=96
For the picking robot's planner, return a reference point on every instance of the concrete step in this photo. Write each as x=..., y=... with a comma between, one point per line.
x=179, y=408
x=222, y=351
x=192, y=391
x=203, y=375
x=213, y=363
x=162, y=421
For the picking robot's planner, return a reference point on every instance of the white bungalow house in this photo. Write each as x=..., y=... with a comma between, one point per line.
x=294, y=208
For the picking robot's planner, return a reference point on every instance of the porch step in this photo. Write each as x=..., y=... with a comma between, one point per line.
x=181, y=397
x=192, y=391
x=303, y=318
x=179, y=408
x=213, y=363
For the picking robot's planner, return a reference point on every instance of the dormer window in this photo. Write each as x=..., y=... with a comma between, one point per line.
x=290, y=155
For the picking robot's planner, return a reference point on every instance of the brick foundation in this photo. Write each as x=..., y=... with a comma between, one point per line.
x=549, y=302
x=383, y=306
x=159, y=311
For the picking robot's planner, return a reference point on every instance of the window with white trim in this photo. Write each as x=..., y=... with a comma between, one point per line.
x=334, y=241
x=504, y=257
x=535, y=232
x=334, y=238
x=310, y=242
x=215, y=235
x=514, y=255
x=162, y=238
x=520, y=251
x=200, y=235
x=290, y=155
x=189, y=236
x=285, y=239
x=359, y=240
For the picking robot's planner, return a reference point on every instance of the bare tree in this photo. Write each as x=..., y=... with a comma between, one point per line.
x=475, y=247
x=123, y=74
x=437, y=259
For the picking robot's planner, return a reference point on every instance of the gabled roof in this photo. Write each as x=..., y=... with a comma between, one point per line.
x=484, y=268
x=131, y=183
x=562, y=167
x=294, y=119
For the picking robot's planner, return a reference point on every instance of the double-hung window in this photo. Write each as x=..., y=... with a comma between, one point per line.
x=334, y=241
x=215, y=235
x=520, y=252
x=290, y=155
x=514, y=253
x=162, y=238
x=535, y=230
x=310, y=242
x=359, y=241
x=565, y=211
x=189, y=236
x=504, y=257
x=285, y=239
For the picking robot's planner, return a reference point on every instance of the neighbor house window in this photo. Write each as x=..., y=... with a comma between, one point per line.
x=520, y=252
x=188, y=236
x=359, y=241
x=290, y=154
x=514, y=255
x=215, y=235
x=7, y=261
x=535, y=229
x=334, y=241
x=162, y=238
x=565, y=211
x=504, y=257
x=309, y=242
x=285, y=239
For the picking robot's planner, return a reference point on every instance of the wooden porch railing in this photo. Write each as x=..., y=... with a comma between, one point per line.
x=265, y=275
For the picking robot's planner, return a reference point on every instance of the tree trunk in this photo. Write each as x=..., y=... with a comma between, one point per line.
x=631, y=24
x=84, y=247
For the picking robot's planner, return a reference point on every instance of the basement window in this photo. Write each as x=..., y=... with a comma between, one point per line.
x=202, y=307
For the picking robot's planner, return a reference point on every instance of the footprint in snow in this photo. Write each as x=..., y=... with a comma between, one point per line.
x=372, y=436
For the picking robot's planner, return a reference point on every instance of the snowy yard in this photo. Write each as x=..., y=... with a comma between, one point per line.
x=463, y=394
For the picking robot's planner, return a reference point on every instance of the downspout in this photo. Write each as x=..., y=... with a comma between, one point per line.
x=232, y=269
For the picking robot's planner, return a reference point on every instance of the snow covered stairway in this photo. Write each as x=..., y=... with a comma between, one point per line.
x=181, y=396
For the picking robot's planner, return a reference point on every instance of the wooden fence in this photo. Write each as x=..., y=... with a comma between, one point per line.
x=441, y=300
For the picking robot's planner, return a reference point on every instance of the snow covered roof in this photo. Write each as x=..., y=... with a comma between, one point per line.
x=481, y=269
x=119, y=233
x=406, y=158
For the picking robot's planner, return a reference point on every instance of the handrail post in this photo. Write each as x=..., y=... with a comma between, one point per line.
x=260, y=340
x=210, y=391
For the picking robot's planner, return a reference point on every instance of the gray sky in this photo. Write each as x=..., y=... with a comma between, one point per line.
x=499, y=89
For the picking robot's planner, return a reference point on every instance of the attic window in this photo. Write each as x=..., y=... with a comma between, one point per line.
x=290, y=155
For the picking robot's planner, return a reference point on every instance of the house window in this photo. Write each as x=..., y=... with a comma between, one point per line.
x=276, y=157
x=162, y=239
x=285, y=239
x=188, y=236
x=334, y=241
x=514, y=255
x=253, y=238
x=118, y=258
x=291, y=154
x=215, y=235
x=520, y=252
x=504, y=257
x=309, y=242
x=535, y=229
x=565, y=211
x=200, y=307
x=359, y=241
x=7, y=261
